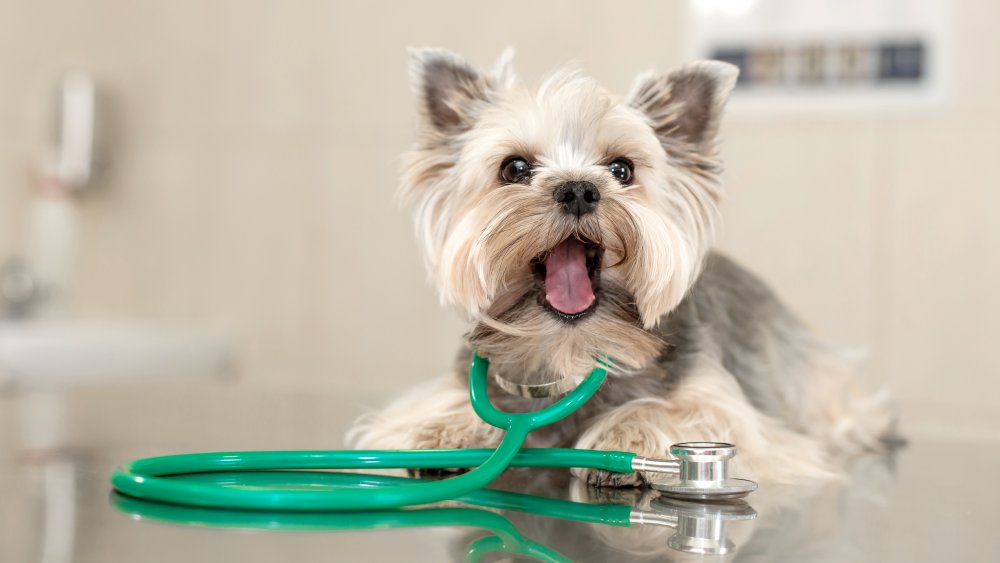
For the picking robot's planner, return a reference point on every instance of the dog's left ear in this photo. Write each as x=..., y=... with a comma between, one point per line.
x=686, y=104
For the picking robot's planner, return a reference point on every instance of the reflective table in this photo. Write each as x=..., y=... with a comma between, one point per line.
x=902, y=506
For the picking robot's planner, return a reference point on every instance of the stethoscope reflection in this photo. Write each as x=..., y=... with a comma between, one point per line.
x=504, y=538
x=699, y=528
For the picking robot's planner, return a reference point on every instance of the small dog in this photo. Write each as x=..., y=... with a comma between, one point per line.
x=572, y=225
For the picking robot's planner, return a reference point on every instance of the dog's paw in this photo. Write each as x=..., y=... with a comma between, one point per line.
x=636, y=427
x=454, y=433
x=618, y=439
x=435, y=473
x=602, y=479
x=437, y=416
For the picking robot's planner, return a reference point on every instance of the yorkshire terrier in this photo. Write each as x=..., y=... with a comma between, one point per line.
x=572, y=225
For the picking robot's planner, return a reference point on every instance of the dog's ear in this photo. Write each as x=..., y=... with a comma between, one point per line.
x=451, y=92
x=686, y=104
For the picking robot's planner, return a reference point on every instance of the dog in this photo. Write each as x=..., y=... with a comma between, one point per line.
x=571, y=225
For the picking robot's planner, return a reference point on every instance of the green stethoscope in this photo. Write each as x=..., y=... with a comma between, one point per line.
x=699, y=472
x=700, y=527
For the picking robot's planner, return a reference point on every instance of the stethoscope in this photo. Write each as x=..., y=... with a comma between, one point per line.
x=697, y=473
x=699, y=527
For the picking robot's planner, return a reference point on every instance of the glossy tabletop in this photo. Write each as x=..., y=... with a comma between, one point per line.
x=931, y=500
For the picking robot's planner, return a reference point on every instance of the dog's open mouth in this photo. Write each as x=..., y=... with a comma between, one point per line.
x=568, y=277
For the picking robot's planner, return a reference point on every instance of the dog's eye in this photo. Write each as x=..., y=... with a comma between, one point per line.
x=621, y=169
x=515, y=170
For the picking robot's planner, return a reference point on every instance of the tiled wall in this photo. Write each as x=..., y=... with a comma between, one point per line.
x=254, y=157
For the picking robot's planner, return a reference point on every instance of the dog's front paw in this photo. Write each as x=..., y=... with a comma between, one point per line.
x=436, y=416
x=599, y=478
x=434, y=434
x=399, y=433
x=436, y=473
x=458, y=432
x=615, y=440
x=450, y=434
x=631, y=428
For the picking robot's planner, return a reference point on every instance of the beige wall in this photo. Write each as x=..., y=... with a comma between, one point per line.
x=255, y=153
x=880, y=229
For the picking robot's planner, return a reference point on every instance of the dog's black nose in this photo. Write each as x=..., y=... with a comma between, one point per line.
x=577, y=198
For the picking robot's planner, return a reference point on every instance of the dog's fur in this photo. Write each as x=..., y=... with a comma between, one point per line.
x=701, y=349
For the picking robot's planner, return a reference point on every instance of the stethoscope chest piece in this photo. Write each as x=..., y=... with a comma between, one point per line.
x=702, y=473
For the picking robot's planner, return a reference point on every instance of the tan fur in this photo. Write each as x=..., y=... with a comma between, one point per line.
x=438, y=415
x=707, y=406
x=839, y=411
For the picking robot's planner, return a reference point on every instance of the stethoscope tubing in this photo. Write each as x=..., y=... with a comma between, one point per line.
x=145, y=479
x=164, y=466
x=150, y=478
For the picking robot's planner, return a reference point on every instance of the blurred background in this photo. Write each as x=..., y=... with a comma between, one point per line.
x=247, y=153
x=230, y=260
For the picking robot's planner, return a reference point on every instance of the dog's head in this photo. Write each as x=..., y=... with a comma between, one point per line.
x=563, y=213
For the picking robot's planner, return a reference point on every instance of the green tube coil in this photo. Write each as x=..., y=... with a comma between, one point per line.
x=160, y=478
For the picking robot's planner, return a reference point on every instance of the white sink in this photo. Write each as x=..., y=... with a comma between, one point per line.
x=51, y=354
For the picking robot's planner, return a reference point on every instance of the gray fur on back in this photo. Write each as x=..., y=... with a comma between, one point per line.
x=730, y=314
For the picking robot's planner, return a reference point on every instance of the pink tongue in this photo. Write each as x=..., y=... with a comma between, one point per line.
x=567, y=284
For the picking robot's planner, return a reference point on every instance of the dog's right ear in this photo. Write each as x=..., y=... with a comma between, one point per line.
x=685, y=105
x=451, y=92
